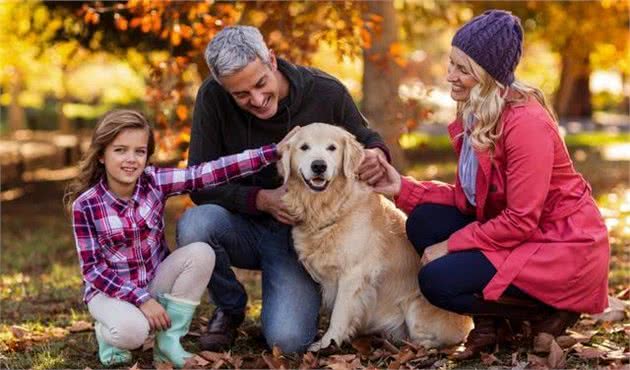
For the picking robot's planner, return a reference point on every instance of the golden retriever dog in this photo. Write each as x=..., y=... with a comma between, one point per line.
x=352, y=241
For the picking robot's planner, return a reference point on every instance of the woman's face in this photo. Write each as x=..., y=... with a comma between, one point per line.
x=460, y=76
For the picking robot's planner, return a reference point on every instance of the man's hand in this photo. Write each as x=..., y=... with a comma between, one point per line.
x=434, y=252
x=370, y=169
x=155, y=314
x=390, y=183
x=270, y=201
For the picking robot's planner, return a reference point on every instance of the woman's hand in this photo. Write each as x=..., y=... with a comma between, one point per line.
x=155, y=314
x=389, y=184
x=434, y=252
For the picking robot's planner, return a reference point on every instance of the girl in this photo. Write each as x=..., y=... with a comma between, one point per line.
x=132, y=283
x=518, y=236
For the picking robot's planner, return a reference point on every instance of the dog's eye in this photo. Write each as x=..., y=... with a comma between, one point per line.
x=331, y=148
x=304, y=147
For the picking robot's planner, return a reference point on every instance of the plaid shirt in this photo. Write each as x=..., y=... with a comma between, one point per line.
x=121, y=243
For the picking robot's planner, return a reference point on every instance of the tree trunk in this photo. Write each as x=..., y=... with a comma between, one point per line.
x=64, y=124
x=573, y=98
x=17, y=118
x=381, y=76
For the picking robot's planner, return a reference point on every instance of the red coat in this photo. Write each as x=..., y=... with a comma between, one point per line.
x=536, y=220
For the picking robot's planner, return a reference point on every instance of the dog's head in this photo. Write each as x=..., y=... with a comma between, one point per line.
x=318, y=153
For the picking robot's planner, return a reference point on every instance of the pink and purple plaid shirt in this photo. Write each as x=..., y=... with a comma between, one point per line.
x=121, y=243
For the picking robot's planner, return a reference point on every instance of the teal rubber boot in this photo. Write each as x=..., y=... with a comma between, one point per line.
x=108, y=354
x=167, y=346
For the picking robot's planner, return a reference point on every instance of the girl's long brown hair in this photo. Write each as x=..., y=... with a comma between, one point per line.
x=107, y=129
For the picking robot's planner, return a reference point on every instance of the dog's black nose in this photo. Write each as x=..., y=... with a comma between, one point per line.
x=318, y=166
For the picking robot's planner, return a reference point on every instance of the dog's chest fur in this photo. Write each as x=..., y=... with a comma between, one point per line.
x=324, y=240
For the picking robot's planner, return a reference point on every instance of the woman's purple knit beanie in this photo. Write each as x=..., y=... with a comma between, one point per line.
x=495, y=41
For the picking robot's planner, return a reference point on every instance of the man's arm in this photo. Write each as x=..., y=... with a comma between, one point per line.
x=205, y=145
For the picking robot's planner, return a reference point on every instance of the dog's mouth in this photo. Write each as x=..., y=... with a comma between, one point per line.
x=316, y=183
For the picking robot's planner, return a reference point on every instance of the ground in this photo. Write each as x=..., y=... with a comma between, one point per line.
x=44, y=324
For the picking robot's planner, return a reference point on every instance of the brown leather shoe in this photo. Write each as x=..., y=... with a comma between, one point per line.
x=222, y=331
x=483, y=338
x=556, y=323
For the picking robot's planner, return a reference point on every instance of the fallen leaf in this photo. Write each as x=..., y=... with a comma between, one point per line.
x=201, y=361
x=440, y=363
x=163, y=366
x=309, y=361
x=19, y=331
x=624, y=294
x=276, y=360
x=557, y=357
x=488, y=359
x=536, y=361
x=362, y=345
x=581, y=337
x=193, y=334
x=203, y=319
x=614, y=312
x=79, y=326
x=236, y=361
x=211, y=356
x=134, y=367
x=588, y=353
x=542, y=342
x=587, y=322
x=276, y=352
x=566, y=341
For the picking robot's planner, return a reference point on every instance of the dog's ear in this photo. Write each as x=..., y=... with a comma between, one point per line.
x=284, y=165
x=352, y=156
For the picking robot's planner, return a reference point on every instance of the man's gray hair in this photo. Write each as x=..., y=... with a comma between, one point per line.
x=234, y=48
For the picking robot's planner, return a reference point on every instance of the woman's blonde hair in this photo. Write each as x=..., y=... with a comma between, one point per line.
x=487, y=100
x=107, y=129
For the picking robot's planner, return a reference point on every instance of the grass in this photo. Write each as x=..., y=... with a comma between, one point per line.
x=40, y=285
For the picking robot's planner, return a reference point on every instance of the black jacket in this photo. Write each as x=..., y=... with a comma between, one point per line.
x=221, y=128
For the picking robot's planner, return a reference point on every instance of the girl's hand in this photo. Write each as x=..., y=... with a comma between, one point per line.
x=389, y=184
x=288, y=137
x=155, y=314
x=434, y=252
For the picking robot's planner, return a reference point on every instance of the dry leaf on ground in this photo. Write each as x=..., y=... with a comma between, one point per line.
x=79, y=326
x=489, y=359
x=542, y=342
x=309, y=361
x=163, y=366
x=19, y=331
x=614, y=312
x=363, y=345
x=557, y=357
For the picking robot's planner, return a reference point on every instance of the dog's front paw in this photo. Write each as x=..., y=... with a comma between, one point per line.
x=320, y=344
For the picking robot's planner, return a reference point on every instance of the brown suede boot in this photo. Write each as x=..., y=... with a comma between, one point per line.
x=222, y=331
x=555, y=323
x=483, y=338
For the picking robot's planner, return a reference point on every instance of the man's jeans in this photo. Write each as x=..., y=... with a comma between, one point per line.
x=291, y=299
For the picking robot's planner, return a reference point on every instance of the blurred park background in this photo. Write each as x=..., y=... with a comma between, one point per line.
x=64, y=64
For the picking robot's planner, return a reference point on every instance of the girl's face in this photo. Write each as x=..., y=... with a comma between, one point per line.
x=460, y=76
x=125, y=159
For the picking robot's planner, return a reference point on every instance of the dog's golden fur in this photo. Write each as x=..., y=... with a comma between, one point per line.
x=352, y=241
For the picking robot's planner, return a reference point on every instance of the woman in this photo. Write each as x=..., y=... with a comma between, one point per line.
x=518, y=236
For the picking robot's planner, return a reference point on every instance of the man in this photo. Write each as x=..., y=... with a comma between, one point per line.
x=254, y=98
